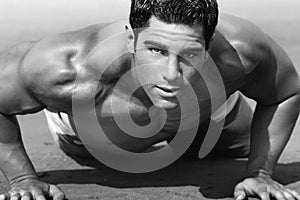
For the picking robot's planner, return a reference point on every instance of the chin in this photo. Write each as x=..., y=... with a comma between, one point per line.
x=167, y=105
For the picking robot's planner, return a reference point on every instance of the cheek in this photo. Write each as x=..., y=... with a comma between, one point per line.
x=191, y=70
x=190, y=74
x=147, y=69
x=147, y=76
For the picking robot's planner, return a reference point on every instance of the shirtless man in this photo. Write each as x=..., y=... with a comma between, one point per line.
x=178, y=36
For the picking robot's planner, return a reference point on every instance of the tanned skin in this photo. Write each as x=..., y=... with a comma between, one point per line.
x=41, y=75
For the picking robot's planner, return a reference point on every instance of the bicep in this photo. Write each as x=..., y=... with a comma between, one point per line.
x=275, y=78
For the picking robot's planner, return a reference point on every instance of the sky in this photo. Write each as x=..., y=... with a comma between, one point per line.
x=34, y=19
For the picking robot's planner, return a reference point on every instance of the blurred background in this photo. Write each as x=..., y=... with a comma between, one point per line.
x=34, y=19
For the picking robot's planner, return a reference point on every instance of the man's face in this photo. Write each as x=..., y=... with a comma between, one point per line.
x=166, y=57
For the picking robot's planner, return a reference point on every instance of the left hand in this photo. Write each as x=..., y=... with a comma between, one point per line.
x=264, y=188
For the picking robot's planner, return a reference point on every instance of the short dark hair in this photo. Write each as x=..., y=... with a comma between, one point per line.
x=187, y=12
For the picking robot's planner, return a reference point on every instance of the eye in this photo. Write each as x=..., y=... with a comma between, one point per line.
x=157, y=51
x=189, y=55
x=192, y=54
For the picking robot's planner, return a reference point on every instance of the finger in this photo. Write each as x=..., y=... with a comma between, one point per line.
x=39, y=197
x=264, y=195
x=279, y=195
x=26, y=196
x=15, y=196
x=288, y=195
x=38, y=194
x=294, y=193
x=56, y=193
x=4, y=196
x=241, y=196
x=239, y=192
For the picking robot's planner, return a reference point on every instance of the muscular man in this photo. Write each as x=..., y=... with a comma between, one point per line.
x=174, y=39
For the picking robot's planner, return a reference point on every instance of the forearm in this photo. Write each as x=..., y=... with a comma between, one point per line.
x=271, y=130
x=14, y=161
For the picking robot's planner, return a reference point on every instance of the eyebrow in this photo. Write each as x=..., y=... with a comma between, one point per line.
x=157, y=44
x=162, y=46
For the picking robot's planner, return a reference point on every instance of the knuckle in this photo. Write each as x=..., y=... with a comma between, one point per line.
x=296, y=194
x=54, y=187
x=288, y=196
x=15, y=196
x=237, y=193
x=264, y=195
x=3, y=196
x=279, y=195
x=239, y=187
x=262, y=190
x=13, y=193
x=61, y=194
x=247, y=181
x=26, y=194
x=40, y=197
x=26, y=198
x=22, y=192
x=60, y=197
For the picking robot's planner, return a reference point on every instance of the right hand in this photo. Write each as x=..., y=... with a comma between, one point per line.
x=31, y=188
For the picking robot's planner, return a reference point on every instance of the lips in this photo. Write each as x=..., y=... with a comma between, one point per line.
x=167, y=91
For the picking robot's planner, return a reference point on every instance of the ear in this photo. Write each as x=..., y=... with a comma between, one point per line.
x=211, y=41
x=209, y=46
x=130, y=39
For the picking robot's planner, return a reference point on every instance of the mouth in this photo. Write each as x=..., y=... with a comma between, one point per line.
x=167, y=91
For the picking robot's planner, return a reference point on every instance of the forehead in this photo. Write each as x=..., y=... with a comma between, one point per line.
x=160, y=30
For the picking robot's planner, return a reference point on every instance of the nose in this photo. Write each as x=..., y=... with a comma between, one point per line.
x=172, y=70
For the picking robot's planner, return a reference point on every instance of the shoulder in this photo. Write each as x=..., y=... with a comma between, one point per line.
x=14, y=98
x=50, y=67
x=239, y=38
x=270, y=74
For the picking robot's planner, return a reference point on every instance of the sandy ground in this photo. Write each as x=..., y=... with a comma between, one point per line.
x=185, y=179
x=201, y=179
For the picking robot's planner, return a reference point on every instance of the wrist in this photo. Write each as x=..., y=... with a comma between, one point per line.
x=259, y=173
x=19, y=179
